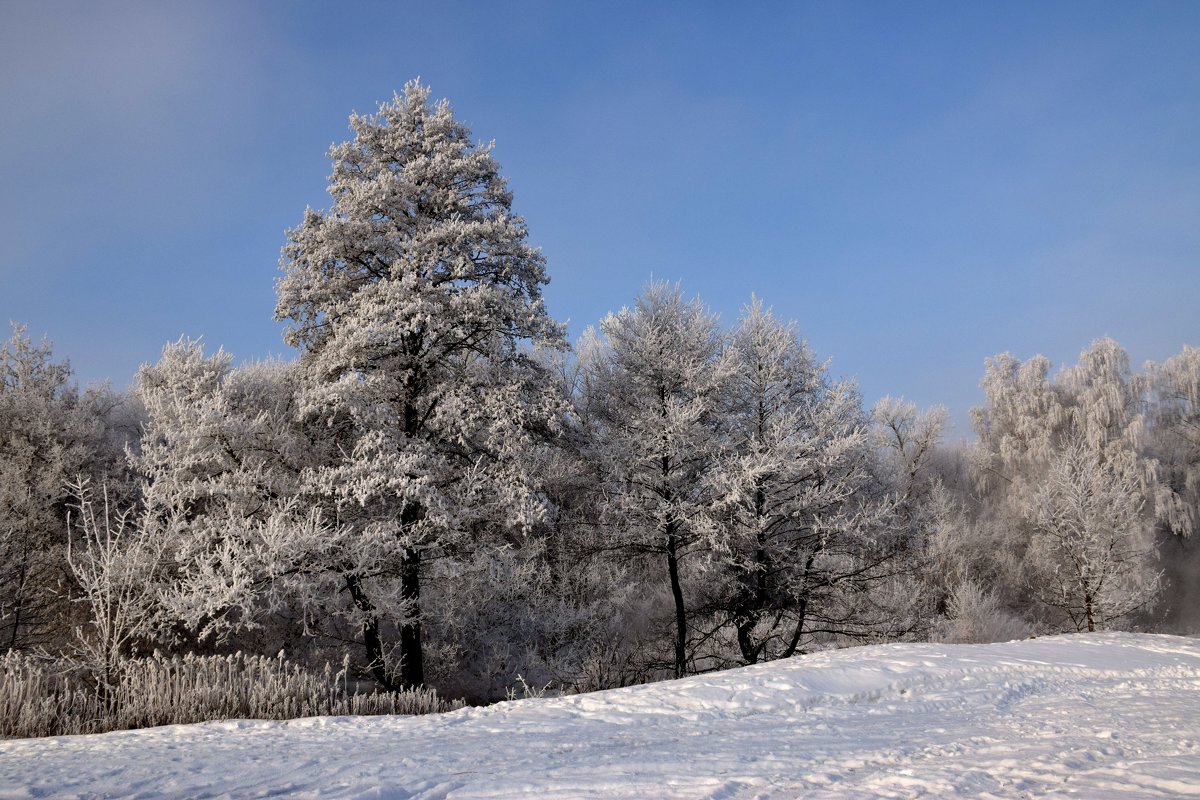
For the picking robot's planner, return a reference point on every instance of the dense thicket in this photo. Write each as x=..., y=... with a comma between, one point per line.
x=439, y=491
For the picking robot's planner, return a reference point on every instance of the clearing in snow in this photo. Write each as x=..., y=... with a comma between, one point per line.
x=1103, y=715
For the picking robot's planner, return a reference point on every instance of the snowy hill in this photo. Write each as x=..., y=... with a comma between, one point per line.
x=1106, y=715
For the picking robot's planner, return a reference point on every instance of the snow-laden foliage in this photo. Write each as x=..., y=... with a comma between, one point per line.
x=1171, y=392
x=115, y=559
x=414, y=301
x=730, y=458
x=973, y=571
x=976, y=615
x=1018, y=424
x=1028, y=418
x=909, y=439
x=222, y=457
x=215, y=433
x=503, y=618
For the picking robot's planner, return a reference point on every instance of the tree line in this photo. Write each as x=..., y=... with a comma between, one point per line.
x=440, y=489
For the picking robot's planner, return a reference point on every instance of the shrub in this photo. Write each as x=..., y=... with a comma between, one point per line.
x=976, y=616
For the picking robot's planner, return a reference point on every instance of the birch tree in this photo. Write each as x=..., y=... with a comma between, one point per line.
x=1092, y=549
x=1036, y=432
x=114, y=558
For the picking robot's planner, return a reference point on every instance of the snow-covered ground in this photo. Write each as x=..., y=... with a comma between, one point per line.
x=1107, y=715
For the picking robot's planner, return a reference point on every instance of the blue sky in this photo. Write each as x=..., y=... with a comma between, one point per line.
x=919, y=185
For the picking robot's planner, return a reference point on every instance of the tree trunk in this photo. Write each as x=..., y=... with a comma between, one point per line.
x=677, y=593
x=801, y=609
x=757, y=589
x=19, y=597
x=412, y=660
x=750, y=650
x=370, y=633
x=802, y=614
x=412, y=657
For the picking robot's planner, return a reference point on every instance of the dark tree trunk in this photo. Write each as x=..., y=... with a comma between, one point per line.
x=19, y=598
x=801, y=613
x=412, y=657
x=745, y=628
x=412, y=660
x=757, y=595
x=680, y=609
x=370, y=633
x=801, y=609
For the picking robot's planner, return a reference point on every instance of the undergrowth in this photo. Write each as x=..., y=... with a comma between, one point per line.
x=39, y=697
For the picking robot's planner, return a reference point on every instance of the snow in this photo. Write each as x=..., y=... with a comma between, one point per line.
x=1094, y=716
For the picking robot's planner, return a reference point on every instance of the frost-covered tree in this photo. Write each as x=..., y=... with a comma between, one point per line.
x=47, y=435
x=1092, y=548
x=114, y=558
x=798, y=547
x=1173, y=394
x=1030, y=424
x=414, y=301
x=1028, y=418
x=982, y=535
x=221, y=460
x=1020, y=424
x=216, y=433
x=909, y=440
x=653, y=378
x=931, y=486
x=1171, y=441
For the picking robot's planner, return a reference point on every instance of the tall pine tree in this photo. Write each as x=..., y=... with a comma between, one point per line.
x=415, y=301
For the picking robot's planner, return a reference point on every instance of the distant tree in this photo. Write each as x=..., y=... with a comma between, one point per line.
x=932, y=486
x=1173, y=403
x=1028, y=418
x=1107, y=415
x=909, y=439
x=652, y=383
x=415, y=301
x=46, y=440
x=1092, y=548
x=1171, y=442
x=1035, y=432
x=1021, y=423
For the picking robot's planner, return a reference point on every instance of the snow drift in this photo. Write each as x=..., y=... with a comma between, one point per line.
x=1104, y=715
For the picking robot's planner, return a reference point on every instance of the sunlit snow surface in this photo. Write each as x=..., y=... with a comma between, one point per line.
x=1107, y=715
